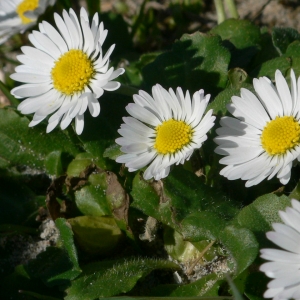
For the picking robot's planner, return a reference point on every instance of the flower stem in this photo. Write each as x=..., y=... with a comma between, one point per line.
x=232, y=8
x=220, y=11
x=127, y=90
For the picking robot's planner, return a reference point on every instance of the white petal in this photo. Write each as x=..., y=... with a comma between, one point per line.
x=47, y=44
x=111, y=86
x=37, y=54
x=79, y=123
x=142, y=114
x=31, y=90
x=55, y=37
x=284, y=93
x=94, y=106
x=240, y=155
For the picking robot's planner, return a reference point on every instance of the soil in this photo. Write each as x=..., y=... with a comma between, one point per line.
x=270, y=13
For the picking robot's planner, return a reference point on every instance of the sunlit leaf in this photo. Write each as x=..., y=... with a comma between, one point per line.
x=22, y=145
x=282, y=37
x=196, y=61
x=120, y=277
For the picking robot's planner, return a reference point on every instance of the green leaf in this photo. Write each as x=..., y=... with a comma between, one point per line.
x=196, y=61
x=91, y=199
x=110, y=281
x=53, y=163
x=256, y=285
x=53, y=267
x=67, y=242
x=295, y=193
x=283, y=37
x=224, y=98
x=79, y=164
x=57, y=266
x=244, y=38
x=188, y=194
x=147, y=200
x=259, y=215
x=195, y=289
x=267, y=51
x=242, y=245
x=182, y=194
x=295, y=66
x=293, y=49
x=241, y=33
x=96, y=235
x=268, y=68
x=202, y=226
x=21, y=145
x=113, y=151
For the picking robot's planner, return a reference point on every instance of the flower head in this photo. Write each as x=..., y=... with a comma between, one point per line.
x=66, y=71
x=164, y=130
x=284, y=265
x=264, y=137
x=18, y=15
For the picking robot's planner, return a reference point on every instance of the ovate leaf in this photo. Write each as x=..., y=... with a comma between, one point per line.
x=241, y=244
x=259, y=215
x=96, y=235
x=196, y=61
x=282, y=37
x=107, y=281
x=22, y=145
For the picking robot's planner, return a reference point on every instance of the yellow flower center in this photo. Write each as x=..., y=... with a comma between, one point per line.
x=172, y=136
x=72, y=72
x=25, y=6
x=280, y=135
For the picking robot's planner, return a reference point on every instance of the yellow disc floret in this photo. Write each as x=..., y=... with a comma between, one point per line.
x=72, y=72
x=172, y=136
x=280, y=135
x=25, y=6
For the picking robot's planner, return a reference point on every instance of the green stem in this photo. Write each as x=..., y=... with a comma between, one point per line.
x=127, y=90
x=220, y=10
x=232, y=8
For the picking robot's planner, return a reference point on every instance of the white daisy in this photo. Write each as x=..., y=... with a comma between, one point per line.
x=164, y=130
x=263, y=139
x=66, y=71
x=284, y=265
x=16, y=16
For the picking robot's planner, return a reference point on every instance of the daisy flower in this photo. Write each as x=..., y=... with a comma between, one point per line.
x=65, y=72
x=284, y=265
x=263, y=138
x=164, y=130
x=16, y=16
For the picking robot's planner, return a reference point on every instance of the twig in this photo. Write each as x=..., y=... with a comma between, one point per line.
x=190, y=270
